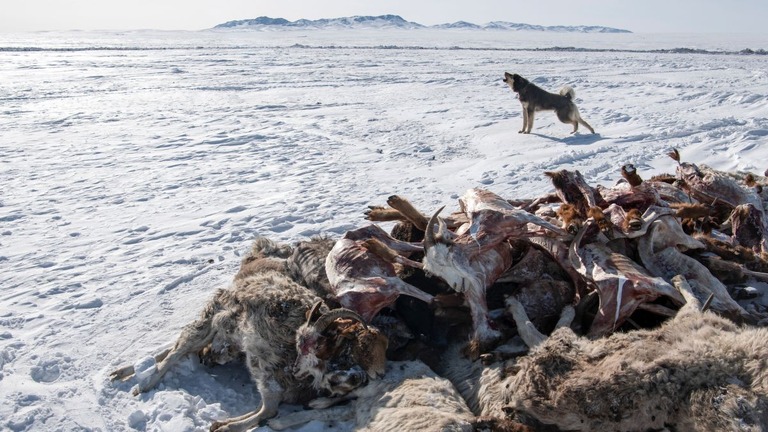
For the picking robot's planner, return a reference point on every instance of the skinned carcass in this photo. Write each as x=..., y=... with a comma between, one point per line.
x=364, y=281
x=660, y=253
x=472, y=258
x=697, y=372
x=259, y=316
x=622, y=285
x=725, y=194
x=410, y=397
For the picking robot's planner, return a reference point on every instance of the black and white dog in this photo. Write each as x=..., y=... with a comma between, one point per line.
x=535, y=98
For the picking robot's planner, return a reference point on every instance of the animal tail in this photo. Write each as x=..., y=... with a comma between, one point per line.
x=568, y=92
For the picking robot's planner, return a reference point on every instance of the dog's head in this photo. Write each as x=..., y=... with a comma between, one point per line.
x=515, y=81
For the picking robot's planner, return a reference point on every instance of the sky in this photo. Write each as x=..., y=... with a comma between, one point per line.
x=648, y=16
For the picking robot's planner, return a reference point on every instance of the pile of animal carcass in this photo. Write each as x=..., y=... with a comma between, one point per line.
x=647, y=288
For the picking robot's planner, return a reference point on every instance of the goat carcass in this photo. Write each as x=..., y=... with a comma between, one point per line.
x=471, y=259
x=366, y=282
x=659, y=251
x=622, y=285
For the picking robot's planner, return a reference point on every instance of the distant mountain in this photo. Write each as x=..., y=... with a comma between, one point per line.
x=382, y=21
x=397, y=22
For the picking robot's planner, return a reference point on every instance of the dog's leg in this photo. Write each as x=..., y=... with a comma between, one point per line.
x=530, y=120
x=575, y=127
x=585, y=124
x=525, y=119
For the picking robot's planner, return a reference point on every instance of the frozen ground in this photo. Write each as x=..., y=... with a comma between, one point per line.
x=132, y=180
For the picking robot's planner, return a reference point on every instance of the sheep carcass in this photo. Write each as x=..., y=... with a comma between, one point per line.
x=364, y=281
x=410, y=397
x=261, y=315
x=697, y=372
x=473, y=258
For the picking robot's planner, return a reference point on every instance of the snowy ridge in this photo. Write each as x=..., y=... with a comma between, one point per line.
x=681, y=50
x=375, y=22
x=396, y=21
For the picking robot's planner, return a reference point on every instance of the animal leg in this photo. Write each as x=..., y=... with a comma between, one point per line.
x=531, y=114
x=193, y=338
x=525, y=120
x=271, y=395
x=409, y=211
x=692, y=304
x=484, y=335
x=339, y=413
x=389, y=255
x=127, y=371
x=566, y=317
x=525, y=328
x=575, y=127
x=585, y=124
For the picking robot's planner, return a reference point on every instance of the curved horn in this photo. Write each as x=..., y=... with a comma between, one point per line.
x=327, y=318
x=429, y=234
x=314, y=311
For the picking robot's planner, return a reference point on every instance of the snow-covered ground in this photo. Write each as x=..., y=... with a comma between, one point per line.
x=132, y=180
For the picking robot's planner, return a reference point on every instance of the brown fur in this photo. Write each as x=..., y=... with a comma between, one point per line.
x=734, y=253
x=570, y=217
x=605, y=224
x=630, y=175
x=350, y=341
x=633, y=221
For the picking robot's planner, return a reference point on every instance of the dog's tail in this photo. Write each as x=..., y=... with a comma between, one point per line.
x=568, y=92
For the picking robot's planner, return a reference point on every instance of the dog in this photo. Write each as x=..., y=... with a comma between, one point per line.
x=534, y=98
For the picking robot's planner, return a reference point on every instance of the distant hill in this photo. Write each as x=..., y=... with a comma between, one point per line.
x=397, y=22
